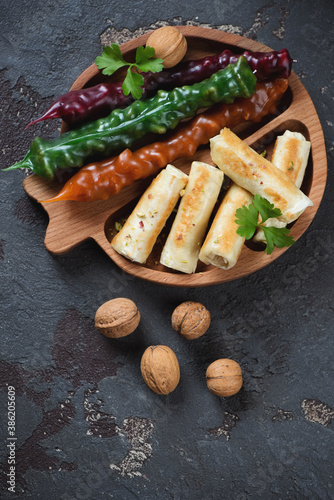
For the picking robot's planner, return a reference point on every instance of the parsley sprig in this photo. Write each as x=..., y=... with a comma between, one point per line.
x=248, y=220
x=111, y=60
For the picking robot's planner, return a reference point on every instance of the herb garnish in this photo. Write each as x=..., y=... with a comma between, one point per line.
x=111, y=60
x=247, y=219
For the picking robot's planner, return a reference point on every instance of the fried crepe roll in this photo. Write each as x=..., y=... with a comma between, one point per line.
x=188, y=230
x=138, y=235
x=290, y=155
x=254, y=173
x=222, y=245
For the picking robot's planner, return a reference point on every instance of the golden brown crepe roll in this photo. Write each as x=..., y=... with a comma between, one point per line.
x=138, y=235
x=222, y=245
x=257, y=175
x=187, y=233
x=290, y=155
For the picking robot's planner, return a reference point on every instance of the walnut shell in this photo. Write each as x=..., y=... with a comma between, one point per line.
x=117, y=317
x=169, y=45
x=191, y=319
x=224, y=377
x=160, y=369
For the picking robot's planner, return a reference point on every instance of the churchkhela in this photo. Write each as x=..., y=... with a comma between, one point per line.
x=101, y=179
x=78, y=106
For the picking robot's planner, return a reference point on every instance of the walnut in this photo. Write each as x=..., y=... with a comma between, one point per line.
x=117, y=317
x=191, y=320
x=160, y=369
x=224, y=377
x=169, y=45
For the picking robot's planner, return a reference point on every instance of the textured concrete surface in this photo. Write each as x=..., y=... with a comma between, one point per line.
x=87, y=427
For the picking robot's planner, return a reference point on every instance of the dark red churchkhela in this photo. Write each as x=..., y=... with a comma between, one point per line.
x=98, y=101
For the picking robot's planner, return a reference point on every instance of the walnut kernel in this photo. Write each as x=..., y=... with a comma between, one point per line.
x=160, y=369
x=191, y=320
x=117, y=317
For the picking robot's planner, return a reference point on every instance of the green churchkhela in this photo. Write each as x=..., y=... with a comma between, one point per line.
x=123, y=127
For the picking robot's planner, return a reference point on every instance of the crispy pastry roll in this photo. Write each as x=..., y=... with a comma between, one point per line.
x=290, y=155
x=188, y=230
x=138, y=235
x=256, y=174
x=222, y=245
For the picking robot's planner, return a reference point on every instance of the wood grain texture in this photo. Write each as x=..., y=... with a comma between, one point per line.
x=71, y=223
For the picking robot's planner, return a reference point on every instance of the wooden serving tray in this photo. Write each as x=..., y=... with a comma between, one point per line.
x=74, y=222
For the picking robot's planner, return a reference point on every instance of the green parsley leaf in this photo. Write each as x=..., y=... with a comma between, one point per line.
x=144, y=61
x=248, y=221
x=111, y=60
x=277, y=236
x=265, y=208
x=132, y=84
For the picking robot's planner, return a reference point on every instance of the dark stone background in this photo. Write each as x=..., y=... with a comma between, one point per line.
x=87, y=426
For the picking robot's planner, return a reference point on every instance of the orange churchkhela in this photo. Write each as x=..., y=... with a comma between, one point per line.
x=102, y=179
